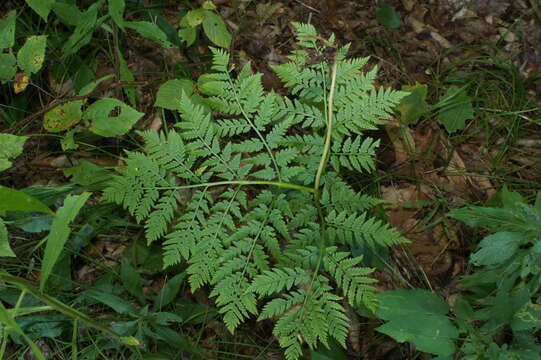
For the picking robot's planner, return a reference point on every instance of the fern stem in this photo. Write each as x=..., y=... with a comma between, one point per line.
x=328, y=136
x=238, y=182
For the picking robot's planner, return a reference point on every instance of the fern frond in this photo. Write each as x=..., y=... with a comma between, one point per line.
x=355, y=155
x=276, y=280
x=361, y=230
x=351, y=278
x=339, y=195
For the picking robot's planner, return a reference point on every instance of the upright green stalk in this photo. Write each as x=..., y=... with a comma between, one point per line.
x=327, y=147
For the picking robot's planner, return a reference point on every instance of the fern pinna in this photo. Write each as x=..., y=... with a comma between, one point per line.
x=265, y=219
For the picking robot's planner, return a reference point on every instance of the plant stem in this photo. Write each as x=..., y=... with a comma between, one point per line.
x=327, y=147
x=239, y=182
x=58, y=305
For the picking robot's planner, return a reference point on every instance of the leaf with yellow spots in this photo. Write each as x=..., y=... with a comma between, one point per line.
x=63, y=117
x=20, y=82
x=30, y=57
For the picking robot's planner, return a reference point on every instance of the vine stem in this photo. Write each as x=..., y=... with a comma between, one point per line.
x=327, y=147
x=239, y=182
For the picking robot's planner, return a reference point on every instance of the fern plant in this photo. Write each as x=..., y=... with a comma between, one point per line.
x=247, y=191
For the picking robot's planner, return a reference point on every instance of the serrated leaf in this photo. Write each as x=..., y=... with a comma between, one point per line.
x=111, y=117
x=168, y=96
x=417, y=316
x=216, y=31
x=7, y=30
x=150, y=31
x=497, y=248
x=63, y=117
x=413, y=106
x=11, y=146
x=116, y=10
x=15, y=200
x=31, y=56
x=387, y=16
x=8, y=66
x=42, y=7
x=59, y=234
x=5, y=249
x=456, y=108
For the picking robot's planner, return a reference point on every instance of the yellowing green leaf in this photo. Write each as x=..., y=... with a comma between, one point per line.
x=208, y=5
x=413, y=106
x=42, y=7
x=5, y=249
x=194, y=17
x=187, y=34
x=59, y=233
x=215, y=29
x=10, y=146
x=169, y=94
x=111, y=117
x=63, y=117
x=7, y=30
x=31, y=56
x=8, y=66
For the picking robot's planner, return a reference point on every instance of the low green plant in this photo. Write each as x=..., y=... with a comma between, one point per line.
x=251, y=197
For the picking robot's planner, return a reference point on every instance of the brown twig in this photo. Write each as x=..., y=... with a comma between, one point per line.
x=57, y=102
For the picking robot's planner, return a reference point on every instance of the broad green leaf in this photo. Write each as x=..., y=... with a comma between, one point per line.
x=116, y=10
x=83, y=31
x=111, y=117
x=194, y=17
x=59, y=233
x=11, y=146
x=69, y=14
x=9, y=324
x=5, y=249
x=169, y=94
x=42, y=7
x=150, y=31
x=8, y=66
x=131, y=280
x=15, y=200
x=497, y=248
x=456, y=108
x=387, y=16
x=63, y=117
x=7, y=30
x=126, y=75
x=413, y=106
x=216, y=31
x=68, y=141
x=417, y=316
x=169, y=291
x=30, y=57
